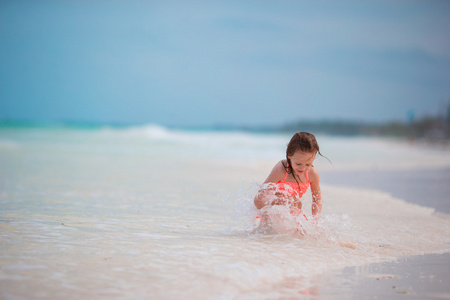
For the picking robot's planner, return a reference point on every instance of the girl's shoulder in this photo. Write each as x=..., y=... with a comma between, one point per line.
x=313, y=175
x=278, y=172
x=282, y=167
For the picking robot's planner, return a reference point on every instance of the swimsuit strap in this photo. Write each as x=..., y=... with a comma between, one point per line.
x=287, y=170
x=285, y=177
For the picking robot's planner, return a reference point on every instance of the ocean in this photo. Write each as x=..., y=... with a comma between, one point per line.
x=148, y=212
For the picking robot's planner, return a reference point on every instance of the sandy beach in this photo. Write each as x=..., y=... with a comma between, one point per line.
x=418, y=277
x=124, y=214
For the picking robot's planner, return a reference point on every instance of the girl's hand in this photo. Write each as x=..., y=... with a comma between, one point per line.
x=283, y=199
x=280, y=199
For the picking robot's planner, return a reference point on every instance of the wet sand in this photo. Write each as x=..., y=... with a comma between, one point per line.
x=416, y=277
x=429, y=188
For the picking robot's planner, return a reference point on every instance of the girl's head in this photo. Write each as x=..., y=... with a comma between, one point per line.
x=304, y=142
x=301, y=152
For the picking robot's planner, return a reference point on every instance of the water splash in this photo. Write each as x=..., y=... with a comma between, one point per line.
x=245, y=218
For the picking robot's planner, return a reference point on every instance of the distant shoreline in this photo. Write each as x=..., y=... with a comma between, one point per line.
x=429, y=128
x=433, y=129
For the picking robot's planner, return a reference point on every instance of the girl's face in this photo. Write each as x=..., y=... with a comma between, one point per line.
x=302, y=161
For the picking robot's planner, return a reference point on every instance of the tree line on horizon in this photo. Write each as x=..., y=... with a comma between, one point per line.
x=431, y=128
x=436, y=128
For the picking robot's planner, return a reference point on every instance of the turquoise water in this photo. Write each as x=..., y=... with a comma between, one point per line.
x=133, y=212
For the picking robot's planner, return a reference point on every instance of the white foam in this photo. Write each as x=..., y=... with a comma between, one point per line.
x=151, y=131
x=345, y=153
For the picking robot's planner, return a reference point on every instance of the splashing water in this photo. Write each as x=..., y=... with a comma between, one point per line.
x=283, y=220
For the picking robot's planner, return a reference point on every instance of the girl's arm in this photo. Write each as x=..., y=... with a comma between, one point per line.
x=263, y=197
x=315, y=191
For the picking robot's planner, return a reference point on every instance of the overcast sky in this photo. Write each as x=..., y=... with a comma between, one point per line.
x=186, y=63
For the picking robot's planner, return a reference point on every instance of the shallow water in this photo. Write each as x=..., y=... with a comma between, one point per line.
x=423, y=187
x=146, y=211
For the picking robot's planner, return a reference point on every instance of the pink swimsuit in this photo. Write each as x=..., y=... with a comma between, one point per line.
x=294, y=188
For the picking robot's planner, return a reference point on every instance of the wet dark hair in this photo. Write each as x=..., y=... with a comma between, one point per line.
x=301, y=141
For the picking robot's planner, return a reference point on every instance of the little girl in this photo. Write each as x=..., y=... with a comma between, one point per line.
x=290, y=178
